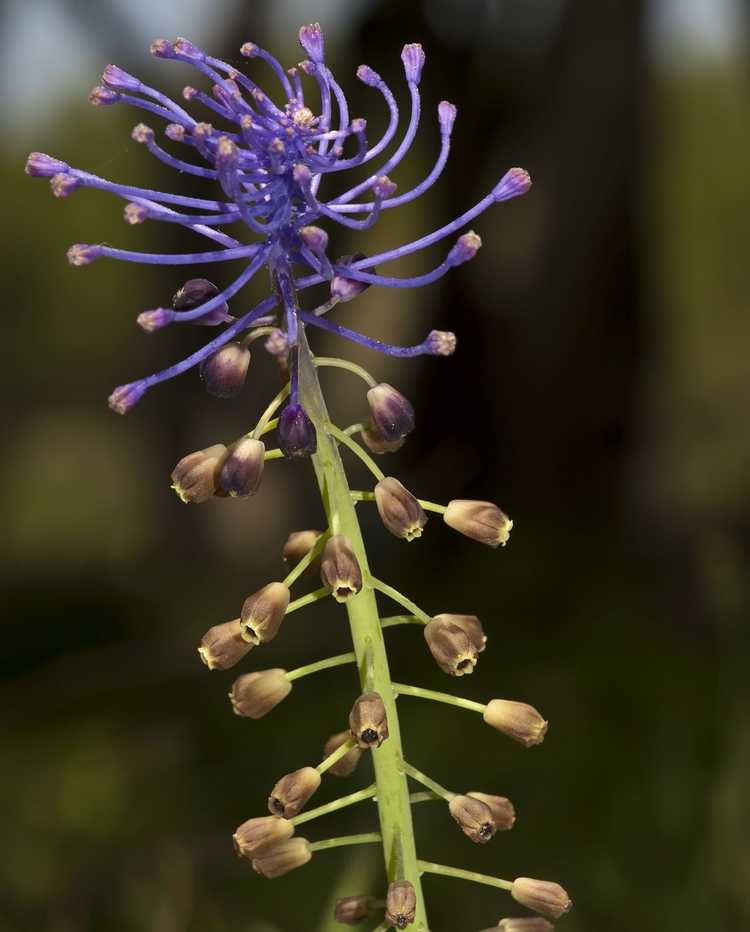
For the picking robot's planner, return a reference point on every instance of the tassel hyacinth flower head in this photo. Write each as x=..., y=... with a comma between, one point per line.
x=270, y=166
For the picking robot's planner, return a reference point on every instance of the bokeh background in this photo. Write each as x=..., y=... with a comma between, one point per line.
x=600, y=394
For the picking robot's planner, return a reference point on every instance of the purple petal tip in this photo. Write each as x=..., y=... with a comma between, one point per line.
x=514, y=183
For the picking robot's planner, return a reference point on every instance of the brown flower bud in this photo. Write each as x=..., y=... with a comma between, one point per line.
x=518, y=720
x=348, y=763
x=351, y=910
x=503, y=813
x=376, y=442
x=291, y=792
x=298, y=545
x=194, y=477
x=450, y=646
x=263, y=612
x=339, y=569
x=481, y=521
x=401, y=904
x=255, y=694
x=256, y=837
x=474, y=818
x=530, y=924
x=392, y=413
x=542, y=896
x=283, y=858
x=368, y=721
x=470, y=625
x=222, y=646
x=242, y=470
x=399, y=511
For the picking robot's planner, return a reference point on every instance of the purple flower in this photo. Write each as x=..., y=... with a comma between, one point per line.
x=270, y=172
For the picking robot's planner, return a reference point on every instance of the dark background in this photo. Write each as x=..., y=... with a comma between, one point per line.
x=599, y=394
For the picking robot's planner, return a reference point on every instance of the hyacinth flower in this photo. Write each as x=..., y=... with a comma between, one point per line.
x=270, y=167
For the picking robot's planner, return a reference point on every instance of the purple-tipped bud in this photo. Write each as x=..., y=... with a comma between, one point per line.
x=135, y=214
x=446, y=116
x=474, y=818
x=227, y=153
x=256, y=837
x=255, y=694
x=368, y=76
x=368, y=721
x=314, y=238
x=376, y=443
x=189, y=92
x=39, y=165
x=162, y=48
x=187, y=49
x=467, y=246
x=503, y=813
x=392, y=414
x=241, y=472
x=119, y=79
x=358, y=125
x=339, y=568
x=83, y=254
x=194, y=477
x=292, y=792
x=283, y=858
x=517, y=720
x=63, y=185
x=277, y=343
x=307, y=67
x=175, y=132
x=142, y=133
x=311, y=40
x=301, y=174
x=298, y=545
x=399, y=510
x=401, y=904
x=343, y=288
x=351, y=910
x=225, y=370
x=542, y=896
x=151, y=321
x=384, y=187
x=345, y=766
x=470, y=625
x=481, y=521
x=440, y=343
x=413, y=57
x=263, y=612
x=101, y=96
x=222, y=646
x=451, y=647
x=297, y=437
x=249, y=49
x=125, y=397
x=515, y=182
x=197, y=291
x=527, y=924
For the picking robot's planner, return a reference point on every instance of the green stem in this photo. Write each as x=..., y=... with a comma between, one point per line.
x=319, y=665
x=402, y=689
x=314, y=596
x=342, y=841
x=424, y=798
x=428, y=868
x=308, y=558
x=333, y=431
x=270, y=425
x=422, y=778
x=400, y=598
x=273, y=455
x=340, y=803
x=337, y=363
x=394, y=620
x=354, y=429
x=260, y=427
x=335, y=756
x=392, y=789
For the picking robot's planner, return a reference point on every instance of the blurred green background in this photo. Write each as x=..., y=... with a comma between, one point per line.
x=598, y=394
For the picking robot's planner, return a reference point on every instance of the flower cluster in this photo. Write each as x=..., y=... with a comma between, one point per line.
x=272, y=158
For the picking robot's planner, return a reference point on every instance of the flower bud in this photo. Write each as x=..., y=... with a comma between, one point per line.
x=41, y=165
x=470, y=625
x=151, y=321
x=467, y=246
x=518, y=720
x=376, y=442
x=401, y=904
x=297, y=437
x=263, y=612
x=348, y=763
x=253, y=695
x=481, y=521
x=125, y=397
x=291, y=792
x=339, y=569
x=194, y=477
x=315, y=238
x=441, y=343
x=399, y=510
x=451, y=647
x=515, y=181
x=474, y=818
x=224, y=371
x=277, y=343
x=257, y=836
x=311, y=40
x=542, y=896
x=242, y=470
x=503, y=813
x=222, y=646
x=368, y=721
x=530, y=924
x=413, y=57
x=344, y=289
x=63, y=185
x=351, y=910
x=283, y=858
x=197, y=291
x=298, y=545
x=392, y=413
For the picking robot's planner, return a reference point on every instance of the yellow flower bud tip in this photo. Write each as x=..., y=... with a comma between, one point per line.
x=399, y=510
x=474, y=818
x=542, y=896
x=450, y=646
x=527, y=924
x=368, y=721
x=253, y=695
x=284, y=857
x=346, y=766
x=291, y=793
x=194, y=477
x=257, y=837
x=503, y=812
x=339, y=569
x=222, y=646
x=518, y=720
x=263, y=612
x=481, y=521
x=401, y=904
x=351, y=910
